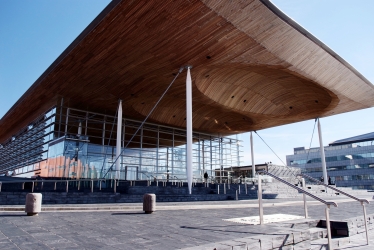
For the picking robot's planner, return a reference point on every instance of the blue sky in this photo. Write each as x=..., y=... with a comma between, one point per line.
x=35, y=32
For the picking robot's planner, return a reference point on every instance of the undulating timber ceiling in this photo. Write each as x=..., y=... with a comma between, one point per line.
x=253, y=68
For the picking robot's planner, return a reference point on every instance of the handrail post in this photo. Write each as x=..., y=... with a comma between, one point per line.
x=328, y=226
x=304, y=197
x=366, y=223
x=259, y=194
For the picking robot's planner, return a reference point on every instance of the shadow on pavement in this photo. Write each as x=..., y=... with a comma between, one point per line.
x=129, y=213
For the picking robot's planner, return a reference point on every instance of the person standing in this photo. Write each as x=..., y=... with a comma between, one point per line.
x=206, y=176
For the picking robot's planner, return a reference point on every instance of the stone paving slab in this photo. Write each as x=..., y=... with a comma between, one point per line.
x=180, y=226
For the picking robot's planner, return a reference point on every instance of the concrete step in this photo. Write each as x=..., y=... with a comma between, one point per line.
x=349, y=227
x=336, y=243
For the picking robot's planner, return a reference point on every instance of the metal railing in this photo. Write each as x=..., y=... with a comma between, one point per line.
x=77, y=182
x=362, y=201
x=327, y=203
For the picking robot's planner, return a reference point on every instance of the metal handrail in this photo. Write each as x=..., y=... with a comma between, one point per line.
x=299, y=189
x=38, y=180
x=327, y=203
x=362, y=201
x=335, y=189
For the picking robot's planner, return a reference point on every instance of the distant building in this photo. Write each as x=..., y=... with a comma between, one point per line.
x=349, y=162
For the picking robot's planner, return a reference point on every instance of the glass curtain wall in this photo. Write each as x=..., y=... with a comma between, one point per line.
x=81, y=144
x=27, y=151
x=153, y=151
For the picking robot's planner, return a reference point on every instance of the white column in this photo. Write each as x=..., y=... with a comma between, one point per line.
x=118, y=140
x=189, y=128
x=322, y=150
x=253, y=158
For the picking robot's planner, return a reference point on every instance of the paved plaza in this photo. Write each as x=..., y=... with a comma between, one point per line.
x=172, y=226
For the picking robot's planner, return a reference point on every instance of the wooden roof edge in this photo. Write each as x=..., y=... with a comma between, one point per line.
x=65, y=53
x=314, y=39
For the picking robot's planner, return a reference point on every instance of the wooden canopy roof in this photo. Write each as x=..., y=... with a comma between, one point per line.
x=253, y=68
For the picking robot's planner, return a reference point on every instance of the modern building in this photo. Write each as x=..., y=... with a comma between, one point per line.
x=117, y=95
x=349, y=162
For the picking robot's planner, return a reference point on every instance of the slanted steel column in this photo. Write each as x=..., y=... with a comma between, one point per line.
x=253, y=158
x=189, y=128
x=322, y=150
x=118, y=140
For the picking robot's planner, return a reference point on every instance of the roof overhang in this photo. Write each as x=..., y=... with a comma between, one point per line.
x=253, y=68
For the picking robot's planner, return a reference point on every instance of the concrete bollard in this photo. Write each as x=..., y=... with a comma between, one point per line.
x=33, y=204
x=149, y=203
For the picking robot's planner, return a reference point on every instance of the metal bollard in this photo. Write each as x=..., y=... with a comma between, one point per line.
x=239, y=188
x=55, y=185
x=259, y=194
x=32, y=187
x=67, y=186
x=304, y=197
x=236, y=194
x=23, y=186
x=366, y=222
x=217, y=189
x=115, y=187
x=246, y=188
x=0, y=185
x=92, y=186
x=100, y=186
x=224, y=188
x=79, y=185
x=328, y=225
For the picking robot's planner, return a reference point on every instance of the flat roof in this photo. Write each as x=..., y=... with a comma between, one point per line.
x=358, y=138
x=253, y=68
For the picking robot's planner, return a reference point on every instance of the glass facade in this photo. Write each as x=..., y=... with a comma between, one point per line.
x=349, y=165
x=27, y=151
x=73, y=143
